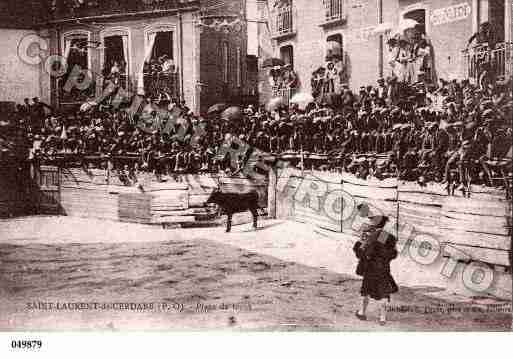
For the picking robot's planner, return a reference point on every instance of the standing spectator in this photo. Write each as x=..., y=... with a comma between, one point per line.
x=375, y=250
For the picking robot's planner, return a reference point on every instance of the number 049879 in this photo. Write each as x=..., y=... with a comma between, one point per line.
x=26, y=344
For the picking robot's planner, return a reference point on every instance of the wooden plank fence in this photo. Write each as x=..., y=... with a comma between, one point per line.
x=15, y=191
x=477, y=228
x=98, y=193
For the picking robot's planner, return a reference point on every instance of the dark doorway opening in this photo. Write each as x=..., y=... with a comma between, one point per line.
x=163, y=45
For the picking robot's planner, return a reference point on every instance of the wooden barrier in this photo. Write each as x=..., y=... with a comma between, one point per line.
x=477, y=228
x=310, y=208
x=101, y=194
x=15, y=191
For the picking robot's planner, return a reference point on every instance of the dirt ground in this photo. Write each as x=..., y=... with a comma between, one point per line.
x=185, y=283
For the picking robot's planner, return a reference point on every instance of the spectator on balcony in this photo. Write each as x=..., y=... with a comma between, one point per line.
x=274, y=77
x=485, y=36
x=331, y=77
x=115, y=69
x=38, y=112
x=289, y=76
x=404, y=62
x=168, y=65
x=423, y=60
x=393, y=52
x=382, y=90
x=318, y=81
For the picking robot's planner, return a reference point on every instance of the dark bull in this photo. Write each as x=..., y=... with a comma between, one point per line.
x=234, y=203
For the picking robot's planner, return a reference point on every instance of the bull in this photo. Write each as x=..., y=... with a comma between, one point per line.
x=235, y=203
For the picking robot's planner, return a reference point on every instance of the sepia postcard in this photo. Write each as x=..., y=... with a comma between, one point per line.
x=255, y=165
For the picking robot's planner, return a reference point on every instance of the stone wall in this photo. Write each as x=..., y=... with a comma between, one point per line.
x=18, y=79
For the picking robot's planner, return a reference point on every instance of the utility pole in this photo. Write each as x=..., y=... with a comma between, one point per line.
x=380, y=40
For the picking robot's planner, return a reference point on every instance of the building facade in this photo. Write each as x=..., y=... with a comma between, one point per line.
x=304, y=32
x=192, y=50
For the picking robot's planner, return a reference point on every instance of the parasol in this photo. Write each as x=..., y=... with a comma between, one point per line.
x=217, y=108
x=302, y=99
x=383, y=28
x=87, y=106
x=406, y=24
x=330, y=99
x=272, y=62
x=232, y=113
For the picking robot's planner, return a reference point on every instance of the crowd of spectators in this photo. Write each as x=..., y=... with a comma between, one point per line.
x=455, y=132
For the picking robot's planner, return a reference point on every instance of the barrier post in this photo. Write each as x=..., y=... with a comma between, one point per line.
x=341, y=207
x=271, y=192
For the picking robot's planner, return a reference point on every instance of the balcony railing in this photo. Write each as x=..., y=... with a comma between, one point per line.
x=72, y=94
x=155, y=84
x=333, y=10
x=282, y=20
x=74, y=9
x=123, y=80
x=285, y=93
x=498, y=62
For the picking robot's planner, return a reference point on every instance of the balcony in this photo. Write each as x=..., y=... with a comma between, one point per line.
x=64, y=9
x=333, y=13
x=156, y=84
x=74, y=94
x=498, y=61
x=122, y=81
x=282, y=22
x=285, y=93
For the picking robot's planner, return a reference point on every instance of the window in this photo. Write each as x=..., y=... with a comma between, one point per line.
x=287, y=55
x=333, y=9
x=239, y=67
x=163, y=45
x=334, y=47
x=76, y=51
x=251, y=63
x=483, y=10
x=225, y=54
x=159, y=72
x=159, y=52
x=282, y=17
x=116, y=53
x=496, y=15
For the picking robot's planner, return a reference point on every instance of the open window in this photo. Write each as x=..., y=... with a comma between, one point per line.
x=116, y=54
x=492, y=12
x=76, y=50
x=159, y=56
x=287, y=55
x=159, y=75
x=334, y=47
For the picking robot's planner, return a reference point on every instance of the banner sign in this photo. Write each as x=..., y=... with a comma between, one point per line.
x=450, y=14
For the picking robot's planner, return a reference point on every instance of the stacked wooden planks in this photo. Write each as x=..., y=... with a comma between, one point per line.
x=135, y=208
x=310, y=204
x=380, y=196
x=476, y=228
x=169, y=202
x=88, y=194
